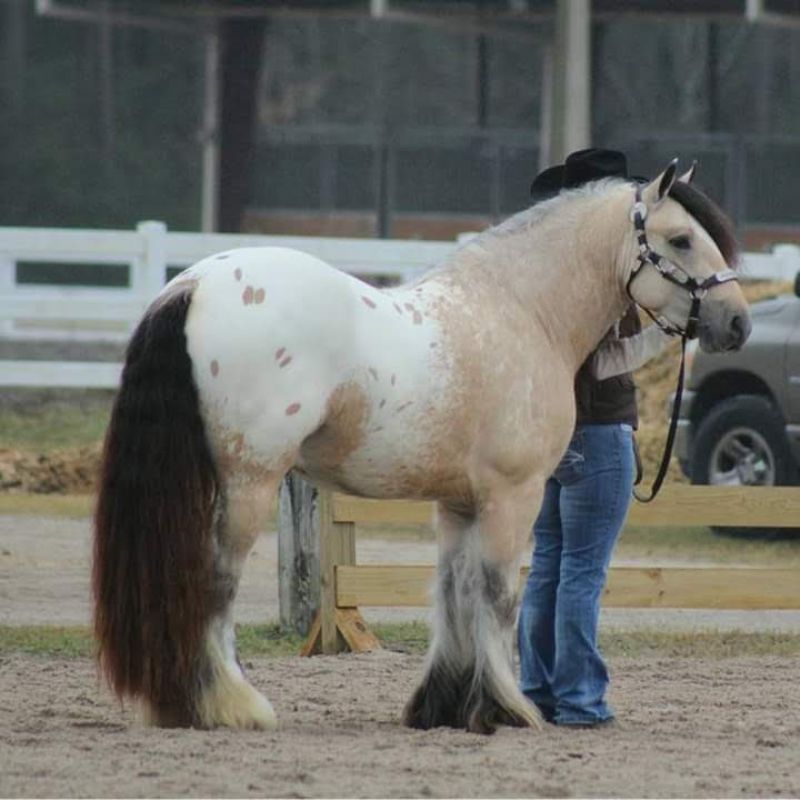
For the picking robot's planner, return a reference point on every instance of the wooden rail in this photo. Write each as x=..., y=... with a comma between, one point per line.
x=347, y=585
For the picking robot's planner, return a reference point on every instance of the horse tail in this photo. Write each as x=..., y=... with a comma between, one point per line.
x=153, y=549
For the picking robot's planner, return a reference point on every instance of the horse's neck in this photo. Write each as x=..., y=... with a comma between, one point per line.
x=563, y=271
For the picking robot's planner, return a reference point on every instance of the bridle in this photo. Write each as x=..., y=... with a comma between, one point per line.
x=672, y=273
x=697, y=291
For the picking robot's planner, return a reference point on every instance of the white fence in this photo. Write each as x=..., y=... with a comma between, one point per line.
x=63, y=313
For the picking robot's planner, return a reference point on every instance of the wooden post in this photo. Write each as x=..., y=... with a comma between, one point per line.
x=336, y=629
x=337, y=546
x=298, y=554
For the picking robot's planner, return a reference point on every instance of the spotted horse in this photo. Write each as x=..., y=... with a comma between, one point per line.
x=456, y=388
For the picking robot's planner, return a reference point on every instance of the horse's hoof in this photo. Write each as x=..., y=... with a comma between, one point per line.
x=428, y=709
x=488, y=715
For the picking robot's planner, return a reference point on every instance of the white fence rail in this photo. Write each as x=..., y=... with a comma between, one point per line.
x=70, y=313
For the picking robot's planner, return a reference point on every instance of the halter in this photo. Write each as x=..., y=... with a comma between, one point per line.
x=697, y=291
x=672, y=273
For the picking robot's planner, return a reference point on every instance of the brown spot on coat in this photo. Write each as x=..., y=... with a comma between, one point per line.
x=417, y=317
x=285, y=361
x=393, y=379
x=398, y=309
x=404, y=406
x=382, y=403
x=409, y=307
x=368, y=302
x=237, y=273
x=259, y=296
x=279, y=353
x=247, y=295
x=292, y=409
x=215, y=368
x=373, y=372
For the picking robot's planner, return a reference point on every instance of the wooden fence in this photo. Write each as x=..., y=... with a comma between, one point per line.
x=346, y=585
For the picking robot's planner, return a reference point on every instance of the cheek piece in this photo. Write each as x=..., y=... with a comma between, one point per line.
x=672, y=273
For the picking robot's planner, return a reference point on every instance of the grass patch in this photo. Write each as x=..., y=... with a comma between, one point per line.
x=72, y=506
x=38, y=424
x=47, y=640
x=412, y=637
x=705, y=545
x=266, y=640
x=699, y=644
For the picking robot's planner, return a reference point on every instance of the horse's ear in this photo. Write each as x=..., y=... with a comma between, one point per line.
x=688, y=176
x=658, y=189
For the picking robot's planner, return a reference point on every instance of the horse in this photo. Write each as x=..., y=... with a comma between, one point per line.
x=455, y=388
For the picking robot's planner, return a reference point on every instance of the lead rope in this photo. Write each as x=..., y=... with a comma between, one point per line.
x=673, y=426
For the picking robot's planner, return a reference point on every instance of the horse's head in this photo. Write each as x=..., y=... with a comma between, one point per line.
x=682, y=268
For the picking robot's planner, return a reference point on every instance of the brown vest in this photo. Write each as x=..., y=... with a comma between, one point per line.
x=614, y=399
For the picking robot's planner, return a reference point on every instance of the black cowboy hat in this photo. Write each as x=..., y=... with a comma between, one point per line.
x=580, y=167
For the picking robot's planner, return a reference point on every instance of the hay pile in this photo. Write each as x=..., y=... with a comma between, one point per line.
x=69, y=471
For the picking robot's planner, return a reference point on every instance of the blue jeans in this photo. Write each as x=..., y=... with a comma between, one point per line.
x=584, y=507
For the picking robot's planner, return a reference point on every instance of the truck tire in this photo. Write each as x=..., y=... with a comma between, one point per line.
x=742, y=442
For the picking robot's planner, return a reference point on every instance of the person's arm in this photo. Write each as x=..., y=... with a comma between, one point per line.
x=617, y=356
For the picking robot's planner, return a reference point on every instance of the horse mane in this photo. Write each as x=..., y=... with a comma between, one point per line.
x=705, y=211
x=710, y=216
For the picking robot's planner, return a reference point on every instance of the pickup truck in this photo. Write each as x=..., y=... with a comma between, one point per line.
x=739, y=421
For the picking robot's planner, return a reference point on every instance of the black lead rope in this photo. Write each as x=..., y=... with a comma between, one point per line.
x=673, y=426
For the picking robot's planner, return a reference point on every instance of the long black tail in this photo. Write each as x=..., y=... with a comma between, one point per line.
x=153, y=552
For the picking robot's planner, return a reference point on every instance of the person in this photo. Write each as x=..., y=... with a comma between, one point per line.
x=584, y=506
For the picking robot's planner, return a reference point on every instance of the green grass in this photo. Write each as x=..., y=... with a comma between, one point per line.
x=270, y=641
x=47, y=640
x=42, y=425
x=71, y=506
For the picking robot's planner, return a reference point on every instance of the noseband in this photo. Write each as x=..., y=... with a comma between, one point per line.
x=668, y=271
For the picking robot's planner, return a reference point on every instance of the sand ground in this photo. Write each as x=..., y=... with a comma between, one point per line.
x=687, y=727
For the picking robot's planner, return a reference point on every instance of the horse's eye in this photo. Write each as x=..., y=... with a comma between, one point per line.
x=681, y=242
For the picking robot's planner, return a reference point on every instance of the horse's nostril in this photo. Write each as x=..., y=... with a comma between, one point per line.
x=740, y=330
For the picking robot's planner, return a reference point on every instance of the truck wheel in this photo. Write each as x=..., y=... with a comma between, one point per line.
x=742, y=442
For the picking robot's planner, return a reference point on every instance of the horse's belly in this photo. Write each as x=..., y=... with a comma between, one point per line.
x=415, y=457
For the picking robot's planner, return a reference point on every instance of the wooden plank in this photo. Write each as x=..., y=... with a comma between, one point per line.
x=372, y=512
x=336, y=546
x=354, y=631
x=384, y=585
x=678, y=504
x=90, y=374
x=741, y=506
x=628, y=587
x=703, y=587
x=313, y=642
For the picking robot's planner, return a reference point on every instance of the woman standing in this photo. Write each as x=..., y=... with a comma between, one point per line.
x=584, y=507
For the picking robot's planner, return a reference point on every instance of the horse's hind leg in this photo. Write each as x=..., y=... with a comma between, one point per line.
x=226, y=697
x=469, y=679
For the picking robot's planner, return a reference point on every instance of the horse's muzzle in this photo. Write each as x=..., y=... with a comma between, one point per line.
x=726, y=337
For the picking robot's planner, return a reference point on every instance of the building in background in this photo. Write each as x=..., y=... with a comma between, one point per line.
x=421, y=121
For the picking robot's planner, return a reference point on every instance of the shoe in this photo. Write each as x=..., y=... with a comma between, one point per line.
x=611, y=722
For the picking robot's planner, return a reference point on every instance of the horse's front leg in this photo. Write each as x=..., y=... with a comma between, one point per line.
x=469, y=679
